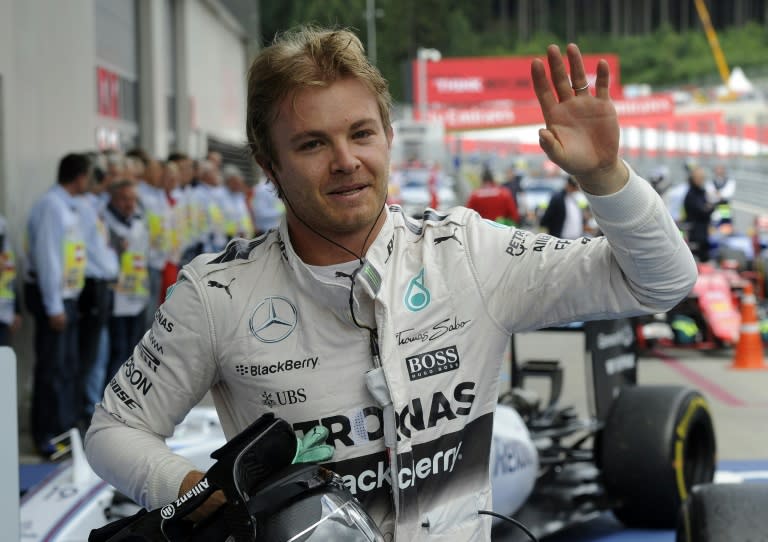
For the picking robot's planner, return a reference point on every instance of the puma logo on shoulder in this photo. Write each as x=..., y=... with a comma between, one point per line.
x=215, y=284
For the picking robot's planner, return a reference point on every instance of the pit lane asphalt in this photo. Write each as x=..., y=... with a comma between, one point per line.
x=738, y=401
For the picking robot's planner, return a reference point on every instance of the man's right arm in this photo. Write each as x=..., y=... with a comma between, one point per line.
x=169, y=372
x=48, y=256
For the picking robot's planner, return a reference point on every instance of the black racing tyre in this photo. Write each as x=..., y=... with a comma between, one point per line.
x=657, y=443
x=725, y=513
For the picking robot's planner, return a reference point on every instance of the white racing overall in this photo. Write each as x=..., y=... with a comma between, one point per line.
x=266, y=333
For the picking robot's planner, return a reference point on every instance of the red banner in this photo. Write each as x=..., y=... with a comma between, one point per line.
x=470, y=118
x=108, y=92
x=519, y=114
x=471, y=80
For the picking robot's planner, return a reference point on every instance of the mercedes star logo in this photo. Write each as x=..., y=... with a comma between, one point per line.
x=273, y=319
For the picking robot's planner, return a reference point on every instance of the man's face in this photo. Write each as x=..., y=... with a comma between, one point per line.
x=186, y=171
x=699, y=176
x=82, y=182
x=334, y=157
x=235, y=183
x=153, y=173
x=215, y=158
x=170, y=178
x=125, y=201
x=210, y=177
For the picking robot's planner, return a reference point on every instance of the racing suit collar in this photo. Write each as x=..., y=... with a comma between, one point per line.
x=335, y=293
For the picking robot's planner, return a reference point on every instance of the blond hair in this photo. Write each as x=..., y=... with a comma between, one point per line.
x=305, y=57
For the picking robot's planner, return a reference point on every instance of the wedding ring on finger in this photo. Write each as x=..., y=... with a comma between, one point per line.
x=577, y=89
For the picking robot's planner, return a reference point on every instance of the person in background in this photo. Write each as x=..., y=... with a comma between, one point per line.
x=720, y=191
x=187, y=209
x=564, y=216
x=674, y=197
x=722, y=187
x=494, y=202
x=10, y=306
x=170, y=183
x=55, y=275
x=216, y=160
x=660, y=180
x=237, y=217
x=360, y=298
x=698, y=214
x=211, y=198
x=514, y=180
x=156, y=212
x=95, y=301
x=115, y=169
x=133, y=170
x=129, y=238
x=266, y=206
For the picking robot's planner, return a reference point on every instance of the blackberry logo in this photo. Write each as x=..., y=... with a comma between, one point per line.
x=264, y=369
x=432, y=363
x=442, y=463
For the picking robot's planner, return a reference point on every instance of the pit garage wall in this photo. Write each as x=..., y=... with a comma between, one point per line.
x=48, y=100
x=217, y=66
x=208, y=72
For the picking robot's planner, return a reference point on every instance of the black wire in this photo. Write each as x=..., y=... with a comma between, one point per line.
x=374, y=336
x=373, y=333
x=512, y=521
x=342, y=247
x=352, y=279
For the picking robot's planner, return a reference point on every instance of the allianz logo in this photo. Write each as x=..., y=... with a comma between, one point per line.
x=443, y=461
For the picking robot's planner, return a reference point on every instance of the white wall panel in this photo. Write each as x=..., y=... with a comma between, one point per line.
x=49, y=93
x=216, y=76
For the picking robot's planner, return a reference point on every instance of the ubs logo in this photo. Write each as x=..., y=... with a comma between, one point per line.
x=283, y=398
x=273, y=319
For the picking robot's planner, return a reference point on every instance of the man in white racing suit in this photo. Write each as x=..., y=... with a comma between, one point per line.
x=351, y=305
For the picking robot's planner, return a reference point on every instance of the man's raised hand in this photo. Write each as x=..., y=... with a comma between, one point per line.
x=582, y=130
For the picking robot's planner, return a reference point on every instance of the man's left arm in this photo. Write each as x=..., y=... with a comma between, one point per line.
x=582, y=137
x=641, y=265
x=646, y=243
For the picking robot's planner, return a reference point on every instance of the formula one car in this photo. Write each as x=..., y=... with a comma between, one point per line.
x=707, y=319
x=550, y=468
x=72, y=500
x=638, y=455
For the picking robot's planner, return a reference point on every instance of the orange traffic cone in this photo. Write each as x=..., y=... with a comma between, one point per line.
x=749, y=349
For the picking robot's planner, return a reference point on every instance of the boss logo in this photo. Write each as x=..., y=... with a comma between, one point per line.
x=432, y=363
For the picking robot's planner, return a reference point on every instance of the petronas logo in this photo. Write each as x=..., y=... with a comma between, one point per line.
x=417, y=296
